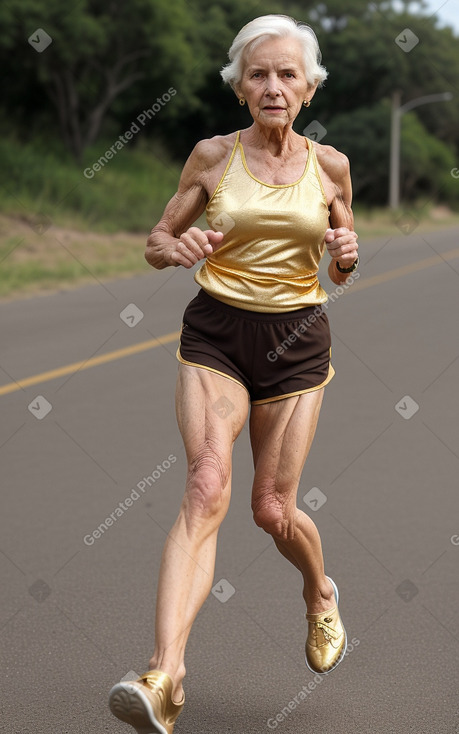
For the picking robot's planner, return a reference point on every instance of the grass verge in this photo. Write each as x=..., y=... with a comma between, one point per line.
x=41, y=184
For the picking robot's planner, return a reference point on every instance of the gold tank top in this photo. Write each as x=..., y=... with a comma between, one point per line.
x=274, y=238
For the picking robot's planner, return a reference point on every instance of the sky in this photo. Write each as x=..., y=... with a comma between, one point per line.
x=447, y=12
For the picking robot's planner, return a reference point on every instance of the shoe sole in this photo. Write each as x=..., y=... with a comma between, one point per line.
x=343, y=651
x=129, y=704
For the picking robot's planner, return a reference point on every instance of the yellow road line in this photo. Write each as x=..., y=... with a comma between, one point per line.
x=428, y=262
x=152, y=343
x=93, y=362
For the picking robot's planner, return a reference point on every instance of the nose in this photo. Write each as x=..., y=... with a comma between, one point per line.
x=272, y=86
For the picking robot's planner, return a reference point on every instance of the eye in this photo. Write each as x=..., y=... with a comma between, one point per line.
x=256, y=75
x=289, y=75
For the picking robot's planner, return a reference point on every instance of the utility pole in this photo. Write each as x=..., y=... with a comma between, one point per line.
x=397, y=112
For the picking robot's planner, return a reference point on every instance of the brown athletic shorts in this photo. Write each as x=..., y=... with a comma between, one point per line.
x=273, y=355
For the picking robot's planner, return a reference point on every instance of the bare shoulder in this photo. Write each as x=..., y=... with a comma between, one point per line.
x=207, y=162
x=333, y=162
x=210, y=152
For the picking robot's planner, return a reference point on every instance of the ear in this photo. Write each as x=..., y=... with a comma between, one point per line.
x=237, y=90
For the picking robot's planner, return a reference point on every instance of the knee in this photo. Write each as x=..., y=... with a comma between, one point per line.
x=271, y=514
x=271, y=521
x=205, y=495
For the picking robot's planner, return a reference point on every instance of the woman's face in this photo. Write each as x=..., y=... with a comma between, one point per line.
x=274, y=82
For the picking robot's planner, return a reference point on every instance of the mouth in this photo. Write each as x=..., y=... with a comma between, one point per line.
x=274, y=108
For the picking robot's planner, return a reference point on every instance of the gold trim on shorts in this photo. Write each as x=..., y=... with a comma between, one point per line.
x=331, y=374
x=210, y=369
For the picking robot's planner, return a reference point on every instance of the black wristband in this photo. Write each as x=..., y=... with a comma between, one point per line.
x=348, y=270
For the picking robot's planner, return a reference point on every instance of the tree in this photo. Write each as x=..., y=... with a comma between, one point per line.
x=98, y=51
x=363, y=135
x=109, y=60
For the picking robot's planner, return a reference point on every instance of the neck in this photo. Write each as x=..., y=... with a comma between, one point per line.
x=278, y=140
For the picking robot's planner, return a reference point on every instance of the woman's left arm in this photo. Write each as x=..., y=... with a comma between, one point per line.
x=341, y=240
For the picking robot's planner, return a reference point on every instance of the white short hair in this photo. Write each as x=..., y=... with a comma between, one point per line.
x=275, y=26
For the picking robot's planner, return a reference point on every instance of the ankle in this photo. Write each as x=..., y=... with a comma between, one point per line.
x=176, y=673
x=320, y=598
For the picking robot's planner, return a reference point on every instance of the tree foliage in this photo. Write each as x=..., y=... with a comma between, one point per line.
x=99, y=51
x=109, y=60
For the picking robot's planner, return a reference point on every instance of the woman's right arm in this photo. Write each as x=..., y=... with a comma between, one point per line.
x=174, y=241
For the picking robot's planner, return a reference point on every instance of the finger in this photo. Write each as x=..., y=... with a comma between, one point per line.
x=340, y=236
x=214, y=238
x=343, y=241
x=191, y=252
x=196, y=248
x=341, y=231
x=351, y=247
x=202, y=239
x=198, y=236
x=347, y=256
x=347, y=259
x=180, y=258
x=346, y=238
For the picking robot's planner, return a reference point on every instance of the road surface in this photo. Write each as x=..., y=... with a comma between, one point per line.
x=88, y=435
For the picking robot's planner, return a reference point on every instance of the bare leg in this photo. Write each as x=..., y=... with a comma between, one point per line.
x=188, y=561
x=281, y=435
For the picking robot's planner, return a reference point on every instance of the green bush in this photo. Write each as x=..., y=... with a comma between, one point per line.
x=128, y=193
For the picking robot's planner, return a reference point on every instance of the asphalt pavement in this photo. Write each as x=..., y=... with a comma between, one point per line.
x=89, y=440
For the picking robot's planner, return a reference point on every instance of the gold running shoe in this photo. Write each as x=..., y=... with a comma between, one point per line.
x=146, y=703
x=327, y=641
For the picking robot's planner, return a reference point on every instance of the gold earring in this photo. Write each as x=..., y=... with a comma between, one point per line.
x=306, y=103
x=242, y=101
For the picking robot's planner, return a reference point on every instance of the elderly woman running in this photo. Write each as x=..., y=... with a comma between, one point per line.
x=274, y=201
